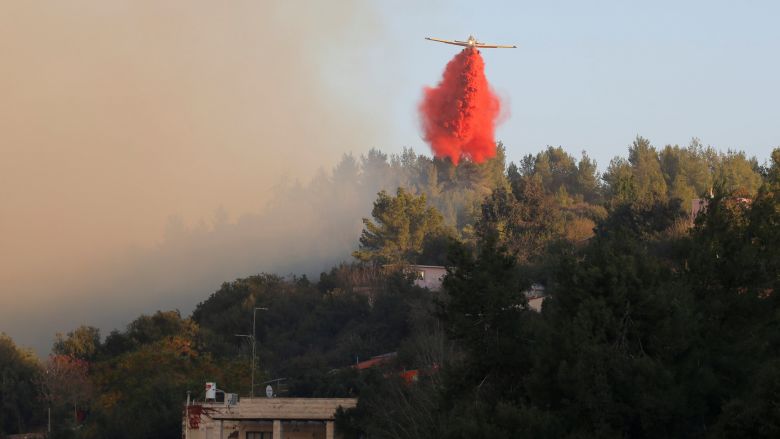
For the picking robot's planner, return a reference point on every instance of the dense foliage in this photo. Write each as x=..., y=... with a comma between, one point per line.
x=19, y=370
x=406, y=230
x=654, y=326
x=650, y=329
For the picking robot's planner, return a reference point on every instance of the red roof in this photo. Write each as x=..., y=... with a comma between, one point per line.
x=375, y=361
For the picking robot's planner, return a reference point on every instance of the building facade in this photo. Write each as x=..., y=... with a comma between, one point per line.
x=264, y=418
x=428, y=276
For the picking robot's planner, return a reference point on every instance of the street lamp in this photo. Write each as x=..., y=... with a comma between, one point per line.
x=254, y=343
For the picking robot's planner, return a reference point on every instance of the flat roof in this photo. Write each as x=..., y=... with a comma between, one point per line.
x=300, y=409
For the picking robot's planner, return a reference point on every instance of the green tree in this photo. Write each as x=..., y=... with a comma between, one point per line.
x=736, y=172
x=19, y=369
x=82, y=343
x=141, y=373
x=403, y=225
x=141, y=392
x=756, y=413
x=160, y=325
x=558, y=172
x=620, y=182
x=484, y=303
x=773, y=172
x=686, y=171
x=556, y=169
x=587, y=180
x=485, y=312
x=609, y=324
x=733, y=268
x=66, y=387
x=354, y=311
x=648, y=178
x=523, y=220
x=638, y=180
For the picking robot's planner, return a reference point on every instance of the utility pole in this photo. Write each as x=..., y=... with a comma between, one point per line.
x=187, y=417
x=253, y=337
x=254, y=345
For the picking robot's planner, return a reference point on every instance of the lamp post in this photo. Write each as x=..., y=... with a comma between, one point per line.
x=254, y=344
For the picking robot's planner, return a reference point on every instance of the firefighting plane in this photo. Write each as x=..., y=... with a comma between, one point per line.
x=471, y=42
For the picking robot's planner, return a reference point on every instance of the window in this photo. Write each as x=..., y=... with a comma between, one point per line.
x=421, y=275
x=259, y=435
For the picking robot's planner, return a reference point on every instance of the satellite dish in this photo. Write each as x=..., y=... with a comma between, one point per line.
x=269, y=391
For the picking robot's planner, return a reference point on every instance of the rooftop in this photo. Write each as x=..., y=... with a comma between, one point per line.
x=279, y=408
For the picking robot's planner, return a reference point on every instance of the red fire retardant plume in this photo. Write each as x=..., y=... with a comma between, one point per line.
x=459, y=115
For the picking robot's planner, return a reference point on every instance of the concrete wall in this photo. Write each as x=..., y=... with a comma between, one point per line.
x=293, y=418
x=239, y=429
x=288, y=429
x=429, y=276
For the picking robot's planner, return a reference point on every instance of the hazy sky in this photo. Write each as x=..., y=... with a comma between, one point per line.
x=117, y=116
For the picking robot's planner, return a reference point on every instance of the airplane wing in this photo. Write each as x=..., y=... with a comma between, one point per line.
x=494, y=46
x=456, y=43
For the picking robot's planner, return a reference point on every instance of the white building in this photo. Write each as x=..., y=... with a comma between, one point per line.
x=535, y=296
x=264, y=418
x=428, y=276
x=431, y=276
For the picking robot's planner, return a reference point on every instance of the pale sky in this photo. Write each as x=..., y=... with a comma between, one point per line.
x=118, y=115
x=592, y=75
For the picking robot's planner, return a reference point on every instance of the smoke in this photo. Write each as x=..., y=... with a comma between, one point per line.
x=304, y=229
x=119, y=115
x=459, y=115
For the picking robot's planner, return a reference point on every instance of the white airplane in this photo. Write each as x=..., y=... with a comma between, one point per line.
x=471, y=42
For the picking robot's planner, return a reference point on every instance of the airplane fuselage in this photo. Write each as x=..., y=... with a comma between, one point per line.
x=471, y=42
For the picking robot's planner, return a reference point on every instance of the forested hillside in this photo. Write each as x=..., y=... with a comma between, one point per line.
x=654, y=326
